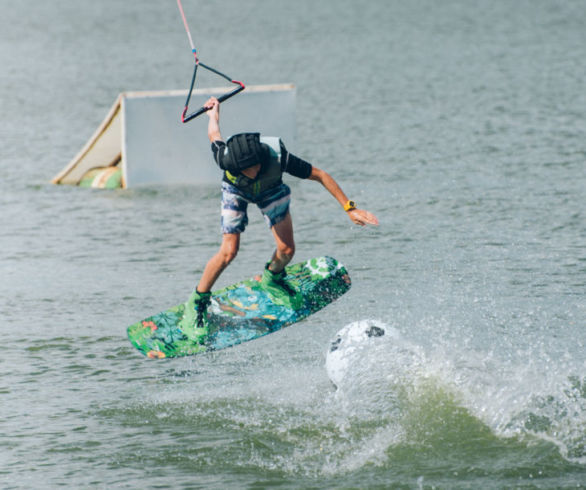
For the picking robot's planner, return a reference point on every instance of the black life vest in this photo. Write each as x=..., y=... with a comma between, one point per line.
x=270, y=174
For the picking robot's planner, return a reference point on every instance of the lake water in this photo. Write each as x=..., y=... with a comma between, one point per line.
x=460, y=124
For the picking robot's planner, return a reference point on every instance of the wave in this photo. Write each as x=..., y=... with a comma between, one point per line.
x=376, y=370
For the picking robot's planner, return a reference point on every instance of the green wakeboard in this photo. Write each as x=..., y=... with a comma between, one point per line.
x=242, y=312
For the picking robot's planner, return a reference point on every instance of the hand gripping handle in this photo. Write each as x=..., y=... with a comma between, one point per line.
x=188, y=117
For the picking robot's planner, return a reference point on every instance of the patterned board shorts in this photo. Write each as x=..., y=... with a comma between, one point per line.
x=273, y=204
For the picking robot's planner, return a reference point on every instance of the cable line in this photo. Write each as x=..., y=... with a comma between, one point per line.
x=185, y=117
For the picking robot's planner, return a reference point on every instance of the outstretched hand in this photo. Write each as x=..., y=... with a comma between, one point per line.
x=362, y=217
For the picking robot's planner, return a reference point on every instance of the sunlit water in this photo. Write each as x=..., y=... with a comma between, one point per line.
x=461, y=125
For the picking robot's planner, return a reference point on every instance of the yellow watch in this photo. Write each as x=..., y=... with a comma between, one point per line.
x=349, y=206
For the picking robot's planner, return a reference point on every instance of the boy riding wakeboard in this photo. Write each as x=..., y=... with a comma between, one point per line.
x=253, y=167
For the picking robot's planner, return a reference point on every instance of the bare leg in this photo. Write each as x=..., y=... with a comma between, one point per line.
x=283, y=233
x=217, y=264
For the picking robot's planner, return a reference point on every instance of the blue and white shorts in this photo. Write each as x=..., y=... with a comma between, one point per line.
x=273, y=204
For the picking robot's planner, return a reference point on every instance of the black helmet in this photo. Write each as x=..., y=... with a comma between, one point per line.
x=243, y=150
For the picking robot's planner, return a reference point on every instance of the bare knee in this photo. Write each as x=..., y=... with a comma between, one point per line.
x=227, y=255
x=228, y=252
x=289, y=253
x=286, y=252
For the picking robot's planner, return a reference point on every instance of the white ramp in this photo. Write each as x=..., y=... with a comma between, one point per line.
x=143, y=134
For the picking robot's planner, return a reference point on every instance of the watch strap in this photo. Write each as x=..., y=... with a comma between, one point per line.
x=349, y=206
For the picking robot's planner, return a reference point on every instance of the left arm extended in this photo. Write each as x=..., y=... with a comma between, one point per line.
x=358, y=216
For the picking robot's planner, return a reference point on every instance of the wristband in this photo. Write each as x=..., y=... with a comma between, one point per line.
x=349, y=206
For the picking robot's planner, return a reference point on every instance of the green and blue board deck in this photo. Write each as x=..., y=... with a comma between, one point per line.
x=242, y=312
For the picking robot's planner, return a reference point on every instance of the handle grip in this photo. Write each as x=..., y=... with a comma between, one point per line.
x=188, y=117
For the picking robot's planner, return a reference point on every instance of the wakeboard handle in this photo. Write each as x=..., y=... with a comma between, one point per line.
x=188, y=117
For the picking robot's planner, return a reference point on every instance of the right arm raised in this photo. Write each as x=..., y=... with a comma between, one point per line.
x=214, y=123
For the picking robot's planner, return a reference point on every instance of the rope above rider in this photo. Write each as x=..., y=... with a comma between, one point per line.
x=185, y=117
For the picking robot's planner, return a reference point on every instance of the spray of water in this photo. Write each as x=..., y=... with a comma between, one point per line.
x=376, y=369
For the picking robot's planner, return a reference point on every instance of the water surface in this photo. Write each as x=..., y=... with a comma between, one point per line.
x=459, y=123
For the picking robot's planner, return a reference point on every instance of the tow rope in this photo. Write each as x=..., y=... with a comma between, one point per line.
x=188, y=117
